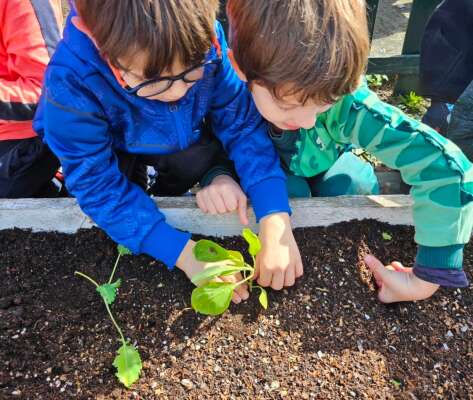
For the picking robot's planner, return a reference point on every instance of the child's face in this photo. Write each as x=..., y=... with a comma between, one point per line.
x=288, y=114
x=134, y=76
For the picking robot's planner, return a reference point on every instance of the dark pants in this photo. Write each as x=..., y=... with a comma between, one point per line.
x=176, y=173
x=27, y=168
x=460, y=129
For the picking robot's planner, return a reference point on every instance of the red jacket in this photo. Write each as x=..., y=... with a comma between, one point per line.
x=29, y=33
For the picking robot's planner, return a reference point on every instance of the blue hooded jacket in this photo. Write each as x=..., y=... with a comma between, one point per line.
x=85, y=116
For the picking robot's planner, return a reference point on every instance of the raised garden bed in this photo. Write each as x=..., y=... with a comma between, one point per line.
x=325, y=338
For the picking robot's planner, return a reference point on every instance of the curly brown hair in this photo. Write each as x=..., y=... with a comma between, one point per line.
x=318, y=48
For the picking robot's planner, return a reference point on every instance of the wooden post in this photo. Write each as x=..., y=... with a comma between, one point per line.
x=372, y=9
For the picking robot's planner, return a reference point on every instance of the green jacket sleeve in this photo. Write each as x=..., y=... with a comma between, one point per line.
x=440, y=175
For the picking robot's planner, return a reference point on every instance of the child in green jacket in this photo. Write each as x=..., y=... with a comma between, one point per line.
x=307, y=81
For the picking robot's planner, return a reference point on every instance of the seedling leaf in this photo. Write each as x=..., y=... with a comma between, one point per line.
x=396, y=383
x=387, y=236
x=123, y=251
x=213, y=298
x=236, y=256
x=263, y=298
x=128, y=364
x=214, y=272
x=108, y=291
x=253, y=241
x=208, y=251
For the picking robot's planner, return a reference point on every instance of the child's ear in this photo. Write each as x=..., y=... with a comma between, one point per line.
x=236, y=67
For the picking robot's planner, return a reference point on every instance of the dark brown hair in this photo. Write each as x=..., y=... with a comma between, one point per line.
x=166, y=30
x=317, y=48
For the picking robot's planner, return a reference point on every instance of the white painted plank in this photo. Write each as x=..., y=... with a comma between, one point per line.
x=64, y=215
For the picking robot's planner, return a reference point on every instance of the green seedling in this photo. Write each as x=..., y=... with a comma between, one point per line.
x=387, y=236
x=212, y=297
x=128, y=360
x=396, y=383
x=412, y=102
x=376, y=80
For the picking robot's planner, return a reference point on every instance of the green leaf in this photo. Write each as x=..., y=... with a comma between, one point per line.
x=123, y=251
x=213, y=298
x=236, y=256
x=128, y=365
x=263, y=298
x=253, y=241
x=396, y=383
x=387, y=236
x=214, y=272
x=108, y=291
x=208, y=251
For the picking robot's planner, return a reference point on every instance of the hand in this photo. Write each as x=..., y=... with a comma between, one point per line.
x=398, y=283
x=279, y=262
x=221, y=196
x=190, y=266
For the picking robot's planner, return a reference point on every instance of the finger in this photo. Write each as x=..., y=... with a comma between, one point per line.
x=290, y=276
x=379, y=270
x=243, y=210
x=265, y=277
x=236, y=298
x=277, y=282
x=231, y=202
x=241, y=290
x=210, y=205
x=299, y=268
x=218, y=203
x=397, y=266
x=201, y=203
x=257, y=268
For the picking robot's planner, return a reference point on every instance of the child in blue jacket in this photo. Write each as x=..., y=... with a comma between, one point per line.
x=133, y=84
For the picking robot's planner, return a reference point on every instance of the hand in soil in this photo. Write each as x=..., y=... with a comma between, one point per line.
x=279, y=263
x=191, y=267
x=397, y=283
x=223, y=196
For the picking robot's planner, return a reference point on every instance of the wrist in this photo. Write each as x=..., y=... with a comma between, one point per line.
x=222, y=178
x=185, y=258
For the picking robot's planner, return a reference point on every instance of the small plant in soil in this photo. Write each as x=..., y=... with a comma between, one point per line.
x=213, y=297
x=376, y=80
x=128, y=360
x=387, y=237
x=412, y=103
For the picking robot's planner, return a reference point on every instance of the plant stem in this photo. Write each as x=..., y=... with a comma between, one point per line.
x=249, y=278
x=114, y=268
x=115, y=323
x=106, y=305
x=87, y=277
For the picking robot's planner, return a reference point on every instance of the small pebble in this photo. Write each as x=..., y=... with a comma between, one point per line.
x=16, y=393
x=449, y=334
x=464, y=328
x=188, y=384
x=275, y=385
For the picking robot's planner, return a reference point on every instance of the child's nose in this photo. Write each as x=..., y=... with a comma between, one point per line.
x=308, y=120
x=178, y=89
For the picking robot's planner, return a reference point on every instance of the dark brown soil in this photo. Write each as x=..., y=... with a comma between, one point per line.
x=325, y=338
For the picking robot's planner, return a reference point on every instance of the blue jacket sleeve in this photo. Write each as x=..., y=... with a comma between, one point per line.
x=243, y=132
x=71, y=122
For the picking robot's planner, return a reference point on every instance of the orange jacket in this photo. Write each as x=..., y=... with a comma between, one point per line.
x=29, y=33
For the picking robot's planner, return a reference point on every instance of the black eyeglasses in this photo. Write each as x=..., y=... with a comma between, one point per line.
x=154, y=87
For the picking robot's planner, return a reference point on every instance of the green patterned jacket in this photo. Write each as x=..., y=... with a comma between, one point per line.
x=440, y=175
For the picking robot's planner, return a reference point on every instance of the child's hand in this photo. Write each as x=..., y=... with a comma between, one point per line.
x=190, y=266
x=279, y=262
x=397, y=283
x=221, y=196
